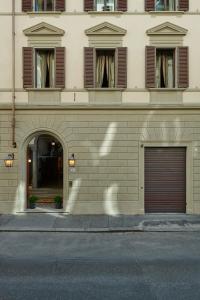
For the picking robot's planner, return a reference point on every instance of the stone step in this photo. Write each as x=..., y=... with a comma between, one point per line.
x=45, y=191
x=45, y=195
x=41, y=190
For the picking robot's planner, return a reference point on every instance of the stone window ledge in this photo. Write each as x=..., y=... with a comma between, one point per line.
x=36, y=13
x=166, y=89
x=167, y=12
x=105, y=89
x=116, y=12
x=43, y=89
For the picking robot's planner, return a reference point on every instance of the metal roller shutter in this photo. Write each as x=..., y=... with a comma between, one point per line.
x=165, y=180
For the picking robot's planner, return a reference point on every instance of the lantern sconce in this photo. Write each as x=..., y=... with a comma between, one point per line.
x=72, y=163
x=9, y=160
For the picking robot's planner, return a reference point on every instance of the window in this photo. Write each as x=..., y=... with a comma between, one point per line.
x=105, y=68
x=105, y=60
x=105, y=5
x=44, y=5
x=45, y=68
x=165, y=68
x=167, y=60
x=166, y=5
x=44, y=58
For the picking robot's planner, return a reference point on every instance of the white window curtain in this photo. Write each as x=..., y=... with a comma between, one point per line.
x=101, y=60
x=44, y=5
x=45, y=68
x=110, y=69
x=100, y=4
x=170, y=72
x=171, y=4
x=158, y=68
x=39, y=5
x=165, y=70
x=165, y=5
x=51, y=67
x=105, y=67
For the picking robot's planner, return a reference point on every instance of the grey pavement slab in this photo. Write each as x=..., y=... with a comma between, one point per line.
x=28, y=221
x=62, y=222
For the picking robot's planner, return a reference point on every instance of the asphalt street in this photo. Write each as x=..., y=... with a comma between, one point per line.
x=99, y=266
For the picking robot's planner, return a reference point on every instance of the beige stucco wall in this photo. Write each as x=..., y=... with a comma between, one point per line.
x=107, y=147
x=135, y=21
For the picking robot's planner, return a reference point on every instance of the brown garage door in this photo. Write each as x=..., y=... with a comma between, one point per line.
x=165, y=180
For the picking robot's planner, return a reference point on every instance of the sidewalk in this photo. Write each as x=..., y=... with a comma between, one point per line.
x=55, y=222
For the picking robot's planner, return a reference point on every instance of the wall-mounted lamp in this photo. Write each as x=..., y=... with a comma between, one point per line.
x=29, y=160
x=9, y=160
x=72, y=163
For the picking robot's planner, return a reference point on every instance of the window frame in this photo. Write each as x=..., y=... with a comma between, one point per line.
x=166, y=10
x=45, y=10
x=115, y=68
x=175, y=66
x=35, y=67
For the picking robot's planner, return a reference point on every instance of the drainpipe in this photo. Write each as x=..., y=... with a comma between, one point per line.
x=13, y=75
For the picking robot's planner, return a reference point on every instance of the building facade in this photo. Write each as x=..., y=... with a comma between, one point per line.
x=100, y=105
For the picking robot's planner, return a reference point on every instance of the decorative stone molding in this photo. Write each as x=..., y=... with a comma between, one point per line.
x=167, y=28
x=44, y=29
x=105, y=35
x=105, y=29
x=166, y=35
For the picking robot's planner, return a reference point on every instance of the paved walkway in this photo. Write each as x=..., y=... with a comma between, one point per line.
x=55, y=222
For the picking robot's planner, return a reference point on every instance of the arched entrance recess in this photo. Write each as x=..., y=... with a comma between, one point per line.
x=44, y=170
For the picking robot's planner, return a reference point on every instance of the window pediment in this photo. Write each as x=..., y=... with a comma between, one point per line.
x=105, y=29
x=44, y=29
x=167, y=28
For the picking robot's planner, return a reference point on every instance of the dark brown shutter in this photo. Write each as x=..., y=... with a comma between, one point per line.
x=88, y=67
x=88, y=5
x=122, y=5
x=60, y=5
x=27, y=5
x=150, y=67
x=184, y=5
x=165, y=180
x=27, y=67
x=183, y=67
x=122, y=67
x=60, y=67
x=149, y=5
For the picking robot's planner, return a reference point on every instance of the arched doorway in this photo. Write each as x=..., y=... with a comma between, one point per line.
x=45, y=171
